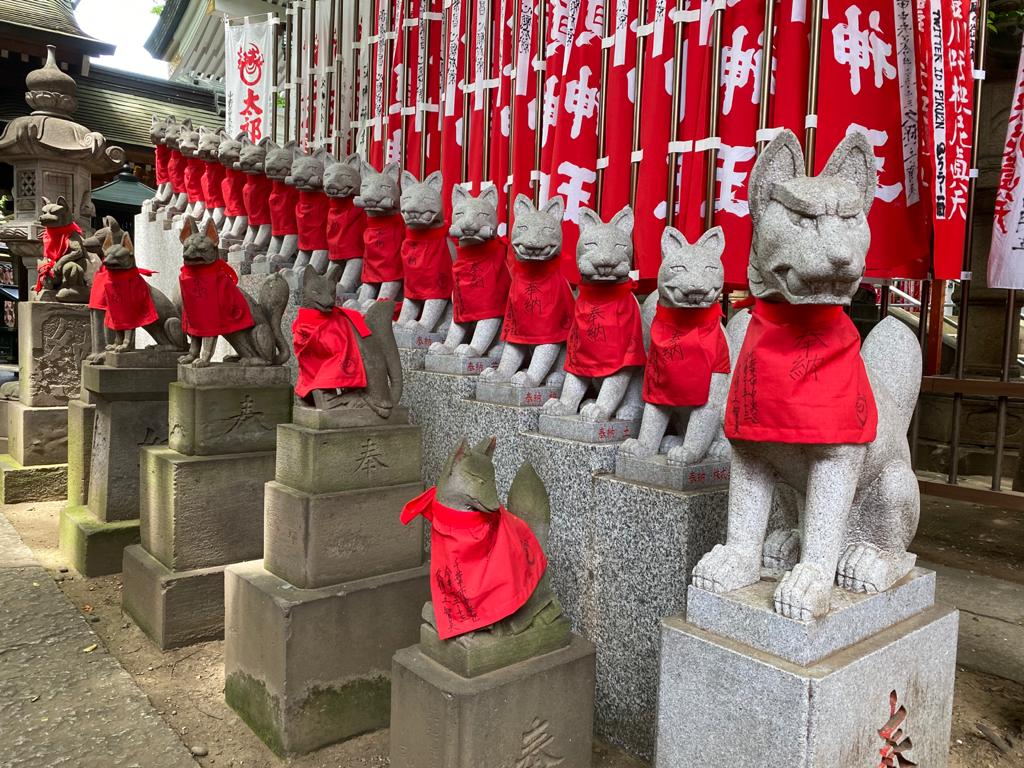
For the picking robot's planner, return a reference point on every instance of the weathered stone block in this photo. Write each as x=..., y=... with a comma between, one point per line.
x=53, y=340
x=407, y=339
x=305, y=668
x=506, y=394
x=317, y=540
x=459, y=366
x=202, y=511
x=721, y=702
x=81, y=423
x=576, y=428
x=656, y=471
x=211, y=420
x=174, y=608
x=143, y=358
x=748, y=616
x=43, y=483
x=329, y=461
x=37, y=435
x=539, y=710
x=233, y=375
x=122, y=428
x=91, y=547
x=343, y=418
x=121, y=383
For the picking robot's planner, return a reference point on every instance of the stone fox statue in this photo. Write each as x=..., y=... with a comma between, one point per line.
x=379, y=195
x=213, y=305
x=346, y=360
x=686, y=380
x=346, y=223
x=100, y=335
x=284, y=231
x=65, y=260
x=427, y=254
x=605, y=348
x=540, y=302
x=805, y=409
x=502, y=584
x=130, y=302
x=157, y=135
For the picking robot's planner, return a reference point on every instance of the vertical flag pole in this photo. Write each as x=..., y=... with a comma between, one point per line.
x=641, y=45
x=274, y=60
x=311, y=99
x=424, y=65
x=673, y=132
x=716, y=83
x=289, y=13
x=513, y=81
x=542, y=56
x=488, y=64
x=767, y=52
x=327, y=87
x=811, y=123
x=602, y=111
x=403, y=80
x=467, y=62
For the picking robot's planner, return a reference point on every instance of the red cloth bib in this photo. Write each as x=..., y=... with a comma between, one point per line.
x=213, y=185
x=282, y=209
x=482, y=281
x=163, y=154
x=687, y=346
x=607, y=334
x=55, y=245
x=128, y=301
x=540, y=304
x=311, y=216
x=176, y=171
x=345, y=227
x=427, y=264
x=256, y=195
x=800, y=379
x=327, y=350
x=97, y=292
x=483, y=566
x=211, y=302
x=382, y=248
x=233, y=189
x=195, y=169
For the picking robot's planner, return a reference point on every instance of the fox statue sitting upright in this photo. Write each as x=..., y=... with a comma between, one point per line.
x=161, y=154
x=62, y=270
x=346, y=223
x=380, y=195
x=811, y=408
x=312, y=206
x=284, y=230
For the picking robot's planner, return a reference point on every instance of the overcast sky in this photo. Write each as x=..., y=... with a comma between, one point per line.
x=126, y=24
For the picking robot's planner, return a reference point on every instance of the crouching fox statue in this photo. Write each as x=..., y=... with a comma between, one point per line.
x=809, y=407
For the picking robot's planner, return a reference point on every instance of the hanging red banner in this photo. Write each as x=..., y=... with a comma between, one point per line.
x=524, y=99
x=791, y=53
x=1005, y=260
x=501, y=117
x=620, y=98
x=451, y=102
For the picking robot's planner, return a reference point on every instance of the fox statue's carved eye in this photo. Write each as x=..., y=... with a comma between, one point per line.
x=802, y=221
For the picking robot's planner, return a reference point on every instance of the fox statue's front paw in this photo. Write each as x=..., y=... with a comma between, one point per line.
x=634, y=447
x=726, y=568
x=781, y=549
x=466, y=350
x=804, y=593
x=683, y=456
x=523, y=379
x=200, y=363
x=866, y=568
x=555, y=407
x=594, y=412
x=186, y=359
x=439, y=348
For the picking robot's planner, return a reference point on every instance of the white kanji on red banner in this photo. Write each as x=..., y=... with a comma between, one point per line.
x=1006, y=257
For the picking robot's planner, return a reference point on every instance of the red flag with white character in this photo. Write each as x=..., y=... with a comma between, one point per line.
x=451, y=103
x=1006, y=257
x=620, y=98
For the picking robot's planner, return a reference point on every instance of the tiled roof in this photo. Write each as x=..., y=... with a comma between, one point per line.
x=52, y=18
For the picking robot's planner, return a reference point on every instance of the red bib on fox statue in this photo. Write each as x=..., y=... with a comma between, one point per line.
x=212, y=304
x=163, y=154
x=176, y=171
x=127, y=299
x=346, y=224
x=382, y=248
x=687, y=346
x=256, y=195
x=540, y=304
x=282, y=209
x=233, y=189
x=327, y=350
x=311, y=216
x=194, y=172
x=800, y=379
x=427, y=264
x=482, y=281
x=607, y=334
x=483, y=566
x=55, y=245
x=213, y=185
x=97, y=292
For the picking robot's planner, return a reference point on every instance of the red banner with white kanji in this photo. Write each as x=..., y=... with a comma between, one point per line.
x=248, y=78
x=1006, y=257
x=451, y=100
x=620, y=94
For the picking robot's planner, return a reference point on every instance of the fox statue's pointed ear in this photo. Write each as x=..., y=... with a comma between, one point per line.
x=309, y=273
x=588, y=219
x=211, y=232
x=672, y=241
x=408, y=179
x=486, y=446
x=521, y=206
x=188, y=228
x=854, y=160
x=126, y=242
x=554, y=207
x=460, y=451
x=435, y=181
x=624, y=220
x=108, y=242
x=780, y=161
x=490, y=196
x=459, y=194
x=714, y=240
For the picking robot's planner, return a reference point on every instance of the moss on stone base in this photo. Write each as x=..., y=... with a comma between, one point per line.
x=18, y=483
x=327, y=715
x=91, y=547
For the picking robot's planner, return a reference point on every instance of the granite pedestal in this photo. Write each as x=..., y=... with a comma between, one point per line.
x=53, y=340
x=130, y=413
x=581, y=430
x=202, y=506
x=506, y=394
x=434, y=401
x=338, y=564
x=81, y=424
x=657, y=471
x=871, y=678
x=460, y=366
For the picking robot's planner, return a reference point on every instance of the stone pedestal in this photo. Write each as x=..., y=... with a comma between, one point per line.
x=81, y=423
x=337, y=564
x=581, y=430
x=534, y=712
x=130, y=413
x=202, y=506
x=657, y=471
x=460, y=366
x=506, y=394
x=775, y=692
x=53, y=340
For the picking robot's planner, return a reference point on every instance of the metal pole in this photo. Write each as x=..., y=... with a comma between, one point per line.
x=488, y=64
x=542, y=55
x=811, y=132
x=922, y=338
x=641, y=45
x=765, y=85
x=673, y=132
x=423, y=61
x=467, y=61
x=1012, y=315
x=712, y=159
x=327, y=55
x=288, y=64
x=273, y=68
x=404, y=81
x=517, y=14
x=602, y=111
x=311, y=73
x=965, y=282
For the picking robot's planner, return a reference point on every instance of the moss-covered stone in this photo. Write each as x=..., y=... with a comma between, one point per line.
x=81, y=423
x=91, y=547
x=18, y=483
x=250, y=699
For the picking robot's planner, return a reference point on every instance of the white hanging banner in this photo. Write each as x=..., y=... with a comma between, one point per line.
x=1006, y=257
x=248, y=80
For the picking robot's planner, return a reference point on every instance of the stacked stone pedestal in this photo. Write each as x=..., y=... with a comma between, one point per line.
x=201, y=498
x=742, y=685
x=81, y=425
x=130, y=412
x=311, y=628
x=53, y=340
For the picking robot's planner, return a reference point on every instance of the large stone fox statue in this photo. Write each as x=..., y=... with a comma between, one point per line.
x=805, y=409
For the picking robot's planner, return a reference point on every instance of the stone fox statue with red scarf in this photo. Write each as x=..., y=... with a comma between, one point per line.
x=213, y=305
x=809, y=407
x=63, y=266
